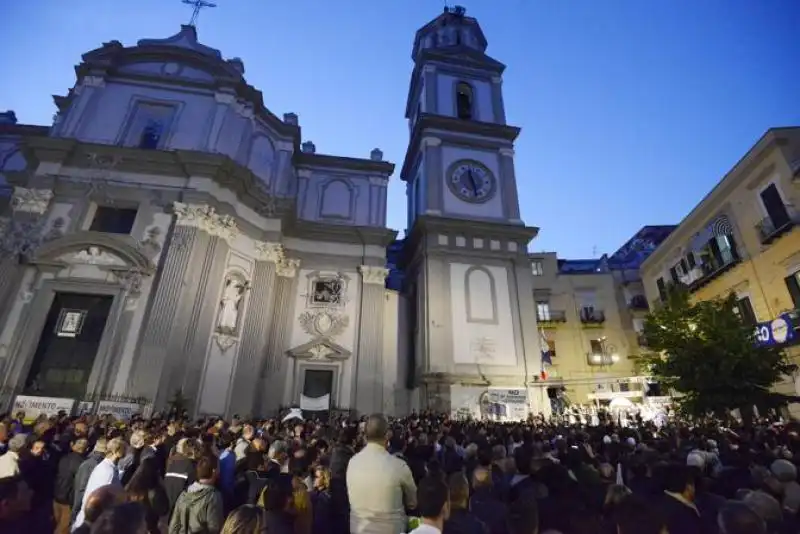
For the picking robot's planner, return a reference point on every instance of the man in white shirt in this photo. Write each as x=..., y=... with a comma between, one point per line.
x=380, y=486
x=9, y=462
x=104, y=474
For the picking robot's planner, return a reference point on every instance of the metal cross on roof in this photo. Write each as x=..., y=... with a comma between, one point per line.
x=197, y=5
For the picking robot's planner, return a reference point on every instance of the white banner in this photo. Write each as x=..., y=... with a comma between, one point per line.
x=120, y=410
x=35, y=406
x=509, y=404
x=318, y=404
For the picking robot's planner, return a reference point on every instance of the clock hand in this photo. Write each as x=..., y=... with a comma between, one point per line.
x=473, y=182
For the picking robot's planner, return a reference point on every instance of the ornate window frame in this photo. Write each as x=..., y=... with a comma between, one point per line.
x=315, y=277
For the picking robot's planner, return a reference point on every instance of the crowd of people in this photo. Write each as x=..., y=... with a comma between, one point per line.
x=425, y=474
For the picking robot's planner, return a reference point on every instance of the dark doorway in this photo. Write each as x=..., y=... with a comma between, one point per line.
x=317, y=383
x=68, y=345
x=775, y=207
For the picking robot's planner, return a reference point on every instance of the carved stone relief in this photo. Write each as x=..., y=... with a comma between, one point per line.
x=205, y=218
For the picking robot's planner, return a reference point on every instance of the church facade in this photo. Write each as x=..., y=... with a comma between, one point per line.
x=170, y=236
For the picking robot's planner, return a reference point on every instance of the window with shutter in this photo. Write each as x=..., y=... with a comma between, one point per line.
x=662, y=289
x=793, y=284
x=691, y=261
x=673, y=273
x=596, y=346
x=745, y=309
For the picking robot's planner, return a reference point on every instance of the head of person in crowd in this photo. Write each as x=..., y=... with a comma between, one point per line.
x=17, y=444
x=482, y=479
x=125, y=518
x=433, y=502
x=102, y=499
x=79, y=445
x=15, y=498
x=737, y=518
x=375, y=429
x=766, y=506
x=116, y=449
x=207, y=470
x=247, y=519
x=100, y=446
x=278, y=494
x=523, y=517
x=637, y=515
x=680, y=479
x=279, y=452
x=322, y=478
x=248, y=432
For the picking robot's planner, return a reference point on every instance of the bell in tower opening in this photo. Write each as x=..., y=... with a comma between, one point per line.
x=464, y=101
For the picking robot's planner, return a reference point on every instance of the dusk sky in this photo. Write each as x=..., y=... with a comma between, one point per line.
x=631, y=110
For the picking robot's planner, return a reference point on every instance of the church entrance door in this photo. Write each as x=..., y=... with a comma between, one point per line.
x=68, y=345
x=317, y=393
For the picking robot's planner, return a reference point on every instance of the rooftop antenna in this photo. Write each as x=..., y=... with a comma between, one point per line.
x=197, y=6
x=594, y=251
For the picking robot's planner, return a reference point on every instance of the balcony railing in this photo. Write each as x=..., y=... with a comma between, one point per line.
x=553, y=316
x=591, y=317
x=769, y=229
x=714, y=267
x=638, y=302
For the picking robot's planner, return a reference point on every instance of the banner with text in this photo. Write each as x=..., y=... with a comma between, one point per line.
x=509, y=404
x=120, y=410
x=36, y=406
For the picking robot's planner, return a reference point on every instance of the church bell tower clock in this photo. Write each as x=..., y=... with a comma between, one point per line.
x=469, y=278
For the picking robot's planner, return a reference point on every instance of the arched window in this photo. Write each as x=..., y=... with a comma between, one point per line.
x=464, y=101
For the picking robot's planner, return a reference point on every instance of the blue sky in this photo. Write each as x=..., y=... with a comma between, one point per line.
x=631, y=110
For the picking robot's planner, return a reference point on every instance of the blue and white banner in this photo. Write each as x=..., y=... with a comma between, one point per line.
x=779, y=331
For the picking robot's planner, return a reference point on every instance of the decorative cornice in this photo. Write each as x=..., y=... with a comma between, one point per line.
x=271, y=252
x=373, y=275
x=205, y=218
x=431, y=141
x=287, y=267
x=506, y=152
x=31, y=200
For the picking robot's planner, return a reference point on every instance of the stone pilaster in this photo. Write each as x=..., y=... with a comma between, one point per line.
x=20, y=234
x=369, y=356
x=272, y=380
x=498, y=108
x=186, y=371
x=431, y=89
x=509, y=178
x=158, y=327
x=189, y=276
x=255, y=330
x=434, y=177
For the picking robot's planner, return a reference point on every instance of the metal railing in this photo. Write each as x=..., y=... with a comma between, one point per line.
x=553, y=316
x=592, y=316
x=770, y=228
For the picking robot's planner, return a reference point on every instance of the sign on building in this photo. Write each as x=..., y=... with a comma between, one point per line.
x=36, y=406
x=779, y=331
x=120, y=410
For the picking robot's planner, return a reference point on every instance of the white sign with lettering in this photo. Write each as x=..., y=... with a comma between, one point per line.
x=35, y=406
x=120, y=410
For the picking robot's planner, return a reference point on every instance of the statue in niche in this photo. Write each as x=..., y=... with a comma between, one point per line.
x=228, y=320
x=327, y=291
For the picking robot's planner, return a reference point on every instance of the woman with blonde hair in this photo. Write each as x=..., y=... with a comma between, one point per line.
x=247, y=519
x=321, y=501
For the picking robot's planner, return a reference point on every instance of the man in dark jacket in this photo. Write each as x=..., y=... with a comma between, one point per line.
x=485, y=503
x=461, y=520
x=677, y=503
x=180, y=471
x=200, y=507
x=64, y=494
x=83, y=473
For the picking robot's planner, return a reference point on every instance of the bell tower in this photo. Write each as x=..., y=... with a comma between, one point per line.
x=469, y=277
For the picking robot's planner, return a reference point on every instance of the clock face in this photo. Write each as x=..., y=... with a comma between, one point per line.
x=471, y=181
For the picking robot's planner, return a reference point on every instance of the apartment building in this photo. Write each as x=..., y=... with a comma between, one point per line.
x=591, y=313
x=742, y=238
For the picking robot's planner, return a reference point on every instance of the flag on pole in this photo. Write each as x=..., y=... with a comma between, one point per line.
x=546, y=356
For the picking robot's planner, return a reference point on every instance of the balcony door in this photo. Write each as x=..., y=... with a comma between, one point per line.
x=776, y=209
